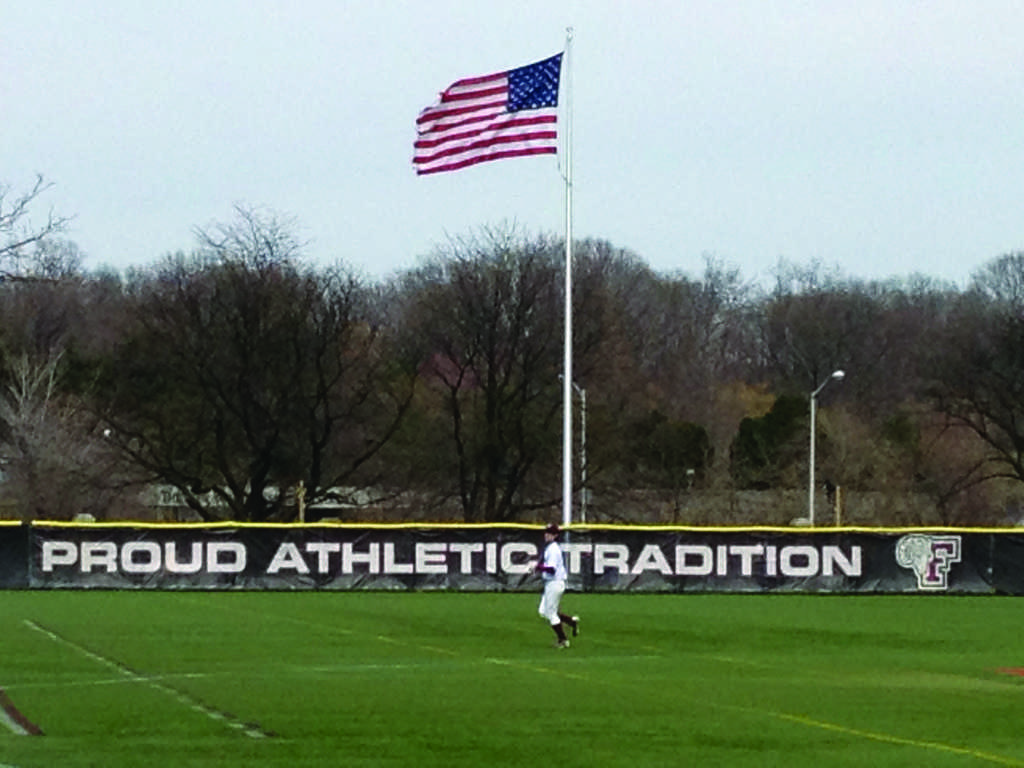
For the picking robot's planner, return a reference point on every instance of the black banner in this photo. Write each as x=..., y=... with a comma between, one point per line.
x=488, y=558
x=13, y=556
x=1007, y=563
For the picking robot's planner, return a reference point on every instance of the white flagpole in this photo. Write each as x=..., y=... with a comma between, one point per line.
x=567, y=381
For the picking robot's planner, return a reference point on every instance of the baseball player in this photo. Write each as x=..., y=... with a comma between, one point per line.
x=551, y=567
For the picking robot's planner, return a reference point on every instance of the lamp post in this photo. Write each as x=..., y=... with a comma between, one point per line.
x=837, y=375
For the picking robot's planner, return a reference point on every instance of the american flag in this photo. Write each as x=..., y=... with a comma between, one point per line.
x=507, y=114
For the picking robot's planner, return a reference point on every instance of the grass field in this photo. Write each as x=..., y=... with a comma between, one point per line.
x=444, y=679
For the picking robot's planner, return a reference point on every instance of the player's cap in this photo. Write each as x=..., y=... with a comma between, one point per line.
x=552, y=529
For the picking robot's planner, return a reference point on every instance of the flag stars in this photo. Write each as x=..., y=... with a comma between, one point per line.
x=534, y=86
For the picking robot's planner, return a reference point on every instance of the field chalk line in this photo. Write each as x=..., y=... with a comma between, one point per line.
x=885, y=738
x=91, y=682
x=821, y=724
x=890, y=739
x=251, y=730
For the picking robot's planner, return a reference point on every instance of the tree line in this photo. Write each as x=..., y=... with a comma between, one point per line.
x=261, y=387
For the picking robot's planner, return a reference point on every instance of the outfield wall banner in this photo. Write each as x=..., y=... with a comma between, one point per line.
x=493, y=558
x=1007, y=563
x=13, y=555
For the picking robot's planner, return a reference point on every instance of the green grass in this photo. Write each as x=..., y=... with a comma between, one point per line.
x=445, y=679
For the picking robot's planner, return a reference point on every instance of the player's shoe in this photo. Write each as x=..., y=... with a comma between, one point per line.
x=562, y=644
x=575, y=625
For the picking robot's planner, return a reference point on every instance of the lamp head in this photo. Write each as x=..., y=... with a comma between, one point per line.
x=837, y=375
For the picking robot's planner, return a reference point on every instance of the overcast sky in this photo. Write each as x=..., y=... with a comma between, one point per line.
x=882, y=137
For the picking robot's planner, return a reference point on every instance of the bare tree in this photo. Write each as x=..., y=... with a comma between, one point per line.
x=22, y=241
x=55, y=461
x=246, y=373
x=486, y=314
x=978, y=382
x=1002, y=280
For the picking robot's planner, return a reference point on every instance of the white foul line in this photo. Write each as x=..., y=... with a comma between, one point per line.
x=249, y=729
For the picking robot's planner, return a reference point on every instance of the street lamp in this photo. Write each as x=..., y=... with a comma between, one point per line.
x=838, y=376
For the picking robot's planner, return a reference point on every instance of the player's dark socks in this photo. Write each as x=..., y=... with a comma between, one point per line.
x=559, y=632
x=568, y=620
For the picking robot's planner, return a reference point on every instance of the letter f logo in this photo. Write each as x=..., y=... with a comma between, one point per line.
x=929, y=557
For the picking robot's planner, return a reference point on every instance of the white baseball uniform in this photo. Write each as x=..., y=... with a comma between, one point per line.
x=554, y=582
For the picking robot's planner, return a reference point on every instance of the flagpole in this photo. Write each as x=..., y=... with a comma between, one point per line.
x=567, y=380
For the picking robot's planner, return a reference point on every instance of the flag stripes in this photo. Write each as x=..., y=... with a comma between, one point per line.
x=490, y=117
